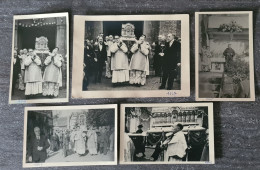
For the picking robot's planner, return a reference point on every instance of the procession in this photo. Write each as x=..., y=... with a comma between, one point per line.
x=131, y=61
x=40, y=61
x=53, y=139
x=30, y=78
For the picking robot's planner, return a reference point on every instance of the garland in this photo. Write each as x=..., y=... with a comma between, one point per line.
x=231, y=27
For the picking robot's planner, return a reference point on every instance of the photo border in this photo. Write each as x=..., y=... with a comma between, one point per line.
x=54, y=100
x=251, y=57
x=210, y=128
x=78, y=55
x=105, y=106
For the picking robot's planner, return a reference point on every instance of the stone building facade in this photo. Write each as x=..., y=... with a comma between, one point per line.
x=150, y=28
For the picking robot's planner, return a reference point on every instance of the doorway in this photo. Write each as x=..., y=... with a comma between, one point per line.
x=27, y=36
x=115, y=27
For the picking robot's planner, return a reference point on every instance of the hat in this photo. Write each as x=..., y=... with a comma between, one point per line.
x=140, y=126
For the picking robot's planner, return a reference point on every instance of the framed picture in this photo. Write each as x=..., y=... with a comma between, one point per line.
x=169, y=133
x=224, y=56
x=40, y=59
x=70, y=136
x=131, y=56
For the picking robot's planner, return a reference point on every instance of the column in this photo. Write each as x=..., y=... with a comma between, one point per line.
x=151, y=30
x=98, y=28
x=16, y=35
x=61, y=42
x=61, y=36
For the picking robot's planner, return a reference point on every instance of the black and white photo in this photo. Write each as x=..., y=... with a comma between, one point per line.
x=131, y=56
x=40, y=59
x=179, y=133
x=70, y=136
x=224, y=56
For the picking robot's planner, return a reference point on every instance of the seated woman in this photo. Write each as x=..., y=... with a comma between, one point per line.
x=52, y=75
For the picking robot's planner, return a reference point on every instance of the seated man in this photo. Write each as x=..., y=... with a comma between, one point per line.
x=174, y=144
x=37, y=147
x=177, y=146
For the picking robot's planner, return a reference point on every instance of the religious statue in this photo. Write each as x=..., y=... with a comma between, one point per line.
x=41, y=44
x=128, y=30
x=128, y=36
x=41, y=48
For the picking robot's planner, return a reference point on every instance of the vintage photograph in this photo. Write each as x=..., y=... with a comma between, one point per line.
x=40, y=59
x=179, y=133
x=139, y=55
x=70, y=136
x=224, y=56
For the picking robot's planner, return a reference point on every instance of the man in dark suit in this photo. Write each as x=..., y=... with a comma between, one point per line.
x=89, y=56
x=139, y=142
x=16, y=70
x=158, y=50
x=37, y=147
x=171, y=59
x=101, y=55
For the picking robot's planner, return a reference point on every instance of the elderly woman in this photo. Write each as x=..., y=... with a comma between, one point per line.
x=33, y=74
x=139, y=65
x=52, y=75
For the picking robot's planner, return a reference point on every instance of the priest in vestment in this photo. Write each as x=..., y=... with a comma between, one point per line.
x=177, y=146
x=119, y=62
x=139, y=65
x=80, y=142
x=52, y=75
x=33, y=75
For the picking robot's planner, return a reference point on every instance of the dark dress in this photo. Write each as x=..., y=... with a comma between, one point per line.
x=104, y=140
x=229, y=53
x=66, y=142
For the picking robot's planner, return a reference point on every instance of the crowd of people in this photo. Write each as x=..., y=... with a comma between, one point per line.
x=76, y=141
x=30, y=77
x=129, y=64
